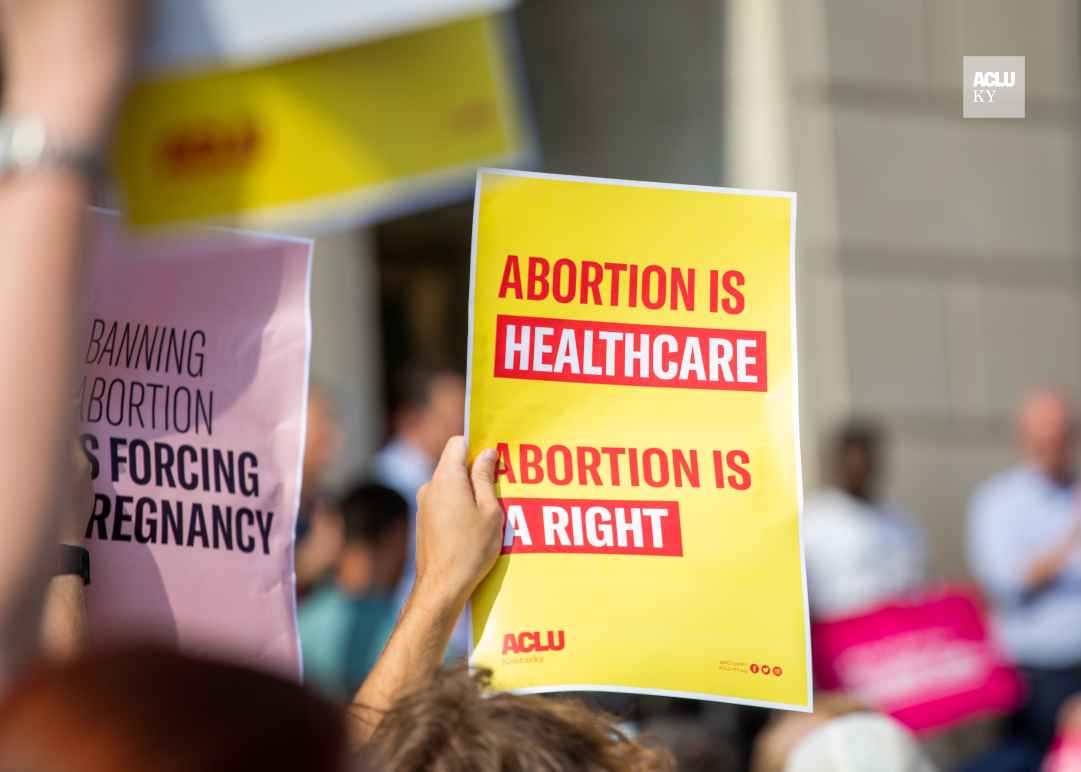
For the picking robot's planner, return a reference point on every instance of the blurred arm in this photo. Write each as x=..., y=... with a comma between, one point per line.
x=318, y=552
x=40, y=217
x=1047, y=566
x=412, y=655
x=63, y=64
x=1008, y=571
x=459, y=532
x=64, y=628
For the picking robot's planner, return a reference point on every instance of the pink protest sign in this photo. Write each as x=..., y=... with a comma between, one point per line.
x=1065, y=753
x=929, y=661
x=192, y=406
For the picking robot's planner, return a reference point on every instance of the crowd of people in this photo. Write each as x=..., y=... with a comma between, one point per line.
x=384, y=572
x=862, y=551
x=1023, y=544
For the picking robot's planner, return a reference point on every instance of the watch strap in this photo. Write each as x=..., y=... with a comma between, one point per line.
x=26, y=144
x=71, y=559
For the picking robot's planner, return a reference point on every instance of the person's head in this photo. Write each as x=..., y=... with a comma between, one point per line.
x=860, y=742
x=429, y=408
x=455, y=725
x=375, y=533
x=323, y=439
x=1045, y=424
x=856, y=452
x=696, y=745
x=145, y=709
x=774, y=745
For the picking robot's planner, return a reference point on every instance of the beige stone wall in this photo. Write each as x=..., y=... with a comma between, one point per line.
x=938, y=257
x=346, y=356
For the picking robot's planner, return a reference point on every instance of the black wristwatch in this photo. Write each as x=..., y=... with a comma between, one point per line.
x=72, y=560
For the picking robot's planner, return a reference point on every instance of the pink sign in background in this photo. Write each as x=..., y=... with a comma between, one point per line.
x=192, y=408
x=1065, y=753
x=928, y=661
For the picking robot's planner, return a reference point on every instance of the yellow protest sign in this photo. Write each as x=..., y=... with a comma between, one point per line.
x=632, y=358
x=345, y=135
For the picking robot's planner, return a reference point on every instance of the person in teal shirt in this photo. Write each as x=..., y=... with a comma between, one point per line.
x=345, y=622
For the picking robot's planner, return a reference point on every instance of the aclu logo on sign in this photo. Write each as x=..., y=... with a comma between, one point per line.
x=533, y=640
x=993, y=87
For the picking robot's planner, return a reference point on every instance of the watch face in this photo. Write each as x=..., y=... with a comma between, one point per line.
x=22, y=144
x=26, y=143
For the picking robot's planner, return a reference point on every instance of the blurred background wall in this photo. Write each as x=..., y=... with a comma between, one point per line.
x=615, y=88
x=937, y=256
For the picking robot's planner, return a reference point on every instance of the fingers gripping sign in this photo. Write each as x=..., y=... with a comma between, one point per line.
x=459, y=522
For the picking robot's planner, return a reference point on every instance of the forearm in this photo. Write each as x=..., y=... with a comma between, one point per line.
x=64, y=629
x=1046, y=568
x=310, y=567
x=40, y=296
x=412, y=655
x=63, y=65
x=459, y=532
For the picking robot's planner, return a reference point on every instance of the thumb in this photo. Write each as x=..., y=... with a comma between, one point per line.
x=452, y=462
x=483, y=476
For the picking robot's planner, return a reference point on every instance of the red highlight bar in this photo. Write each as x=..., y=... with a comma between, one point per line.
x=536, y=348
x=592, y=526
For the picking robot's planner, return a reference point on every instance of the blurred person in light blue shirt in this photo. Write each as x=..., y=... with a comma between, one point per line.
x=428, y=408
x=1024, y=546
x=345, y=622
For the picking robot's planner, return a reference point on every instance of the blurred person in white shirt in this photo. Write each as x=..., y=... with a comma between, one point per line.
x=861, y=550
x=428, y=408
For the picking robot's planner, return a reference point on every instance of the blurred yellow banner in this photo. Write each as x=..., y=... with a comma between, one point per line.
x=343, y=137
x=632, y=360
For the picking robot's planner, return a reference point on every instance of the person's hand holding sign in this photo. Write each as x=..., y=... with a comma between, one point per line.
x=459, y=530
x=459, y=525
